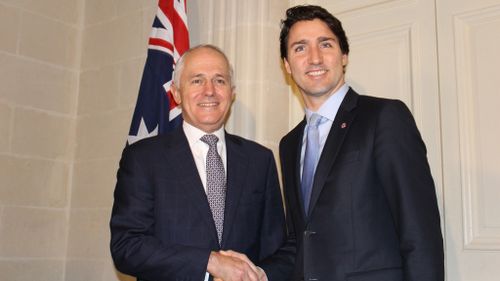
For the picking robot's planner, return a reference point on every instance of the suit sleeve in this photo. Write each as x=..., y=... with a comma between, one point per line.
x=134, y=248
x=277, y=258
x=402, y=167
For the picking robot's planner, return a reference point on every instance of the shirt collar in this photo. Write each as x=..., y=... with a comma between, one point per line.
x=194, y=134
x=330, y=107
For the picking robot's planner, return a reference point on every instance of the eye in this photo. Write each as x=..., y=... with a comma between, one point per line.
x=196, y=81
x=326, y=44
x=298, y=48
x=220, y=81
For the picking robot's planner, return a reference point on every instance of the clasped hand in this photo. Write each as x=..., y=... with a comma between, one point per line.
x=233, y=266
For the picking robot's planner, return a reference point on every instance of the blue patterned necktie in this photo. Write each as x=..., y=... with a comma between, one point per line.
x=311, y=157
x=216, y=183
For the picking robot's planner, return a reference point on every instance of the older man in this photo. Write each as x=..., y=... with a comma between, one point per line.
x=181, y=198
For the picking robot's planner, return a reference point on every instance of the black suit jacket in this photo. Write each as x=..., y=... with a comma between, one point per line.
x=373, y=212
x=161, y=223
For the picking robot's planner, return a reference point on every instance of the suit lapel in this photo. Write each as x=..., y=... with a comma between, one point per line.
x=237, y=163
x=336, y=136
x=182, y=164
x=296, y=143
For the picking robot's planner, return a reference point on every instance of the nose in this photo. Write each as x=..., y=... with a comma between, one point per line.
x=315, y=55
x=209, y=88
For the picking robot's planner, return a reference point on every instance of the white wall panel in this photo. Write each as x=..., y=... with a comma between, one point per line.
x=478, y=101
x=389, y=72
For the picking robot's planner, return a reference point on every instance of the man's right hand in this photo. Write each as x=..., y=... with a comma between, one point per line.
x=231, y=268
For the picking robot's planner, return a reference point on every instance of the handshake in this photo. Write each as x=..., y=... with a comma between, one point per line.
x=233, y=266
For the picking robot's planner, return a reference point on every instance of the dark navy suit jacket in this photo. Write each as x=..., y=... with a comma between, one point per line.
x=373, y=213
x=161, y=224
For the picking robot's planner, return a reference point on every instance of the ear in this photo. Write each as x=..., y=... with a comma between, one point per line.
x=233, y=95
x=287, y=66
x=345, y=60
x=175, y=93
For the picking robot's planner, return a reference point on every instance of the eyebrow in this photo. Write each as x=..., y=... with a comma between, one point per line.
x=194, y=76
x=325, y=38
x=300, y=42
x=320, y=39
x=218, y=75
x=202, y=75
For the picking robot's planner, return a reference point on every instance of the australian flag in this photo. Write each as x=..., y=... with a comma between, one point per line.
x=156, y=111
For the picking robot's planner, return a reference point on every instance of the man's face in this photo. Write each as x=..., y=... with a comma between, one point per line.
x=315, y=61
x=205, y=93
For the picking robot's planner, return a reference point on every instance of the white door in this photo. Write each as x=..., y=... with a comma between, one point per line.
x=469, y=61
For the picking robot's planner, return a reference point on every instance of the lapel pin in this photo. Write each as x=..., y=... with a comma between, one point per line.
x=343, y=125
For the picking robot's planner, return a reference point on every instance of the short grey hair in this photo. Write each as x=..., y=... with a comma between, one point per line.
x=180, y=64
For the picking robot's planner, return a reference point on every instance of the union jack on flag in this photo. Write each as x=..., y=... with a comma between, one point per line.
x=156, y=111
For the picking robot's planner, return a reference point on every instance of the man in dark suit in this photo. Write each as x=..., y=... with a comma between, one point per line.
x=175, y=210
x=360, y=197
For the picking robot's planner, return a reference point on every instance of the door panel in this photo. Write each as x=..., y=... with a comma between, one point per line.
x=470, y=102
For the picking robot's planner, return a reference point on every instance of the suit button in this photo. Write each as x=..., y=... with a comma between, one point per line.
x=309, y=233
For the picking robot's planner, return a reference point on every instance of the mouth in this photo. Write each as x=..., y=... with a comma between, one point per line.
x=316, y=73
x=208, y=104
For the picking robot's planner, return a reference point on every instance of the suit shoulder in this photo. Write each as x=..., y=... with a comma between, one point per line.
x=248, y=144
x=148, y=147
x=379, y=102
x=383, y=105
x=146, y=143
x=296, y=132
x=388, y=112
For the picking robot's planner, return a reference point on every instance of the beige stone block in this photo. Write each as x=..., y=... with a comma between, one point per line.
x=97, y=11
x=120, y=276
x=148, y=16
x=37, y=85
x=93, y=183
x=110, y=273
x=94, y=269
x=33, y=182
x=130, y=81
x=113, y=41
x=102, y=135
x=6, y=114
x=129, y=6
x=29, y=270
x=48, y=40
x=63, y=10
x=89, y=233
x=84, y=270
x=9, y=27
x=33, y=232
x=98, y=90
x=41, y=134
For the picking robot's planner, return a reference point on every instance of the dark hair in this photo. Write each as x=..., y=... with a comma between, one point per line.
x=311, y=12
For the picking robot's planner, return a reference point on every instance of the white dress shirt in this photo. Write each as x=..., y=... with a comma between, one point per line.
x=200, y=150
